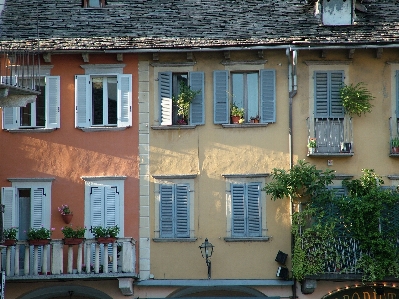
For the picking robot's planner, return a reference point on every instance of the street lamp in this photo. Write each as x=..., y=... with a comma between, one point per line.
x=206, y=251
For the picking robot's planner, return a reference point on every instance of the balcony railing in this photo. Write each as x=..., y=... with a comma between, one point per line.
x=56, y=260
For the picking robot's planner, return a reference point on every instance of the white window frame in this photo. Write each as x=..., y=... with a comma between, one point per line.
x=245, y=179
x=184, y=179
x=334, y=17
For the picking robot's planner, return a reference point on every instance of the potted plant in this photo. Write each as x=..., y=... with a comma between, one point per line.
x=105, y=235
x=312, y=145
x=255, y=119
x=73, y=236
x=10, y=236
x=395, y=145
x=66, y=213
x=39, y=236
x=356, y=99
x=237, y=114
x=183, y=101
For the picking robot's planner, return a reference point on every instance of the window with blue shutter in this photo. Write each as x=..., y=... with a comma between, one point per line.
x=254, y=91
x=246, y=210
x=169, y=84
x=174, y=211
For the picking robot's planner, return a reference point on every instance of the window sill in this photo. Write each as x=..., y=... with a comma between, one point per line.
x=32, y=130
x=174, y=127
x=246, y=239
x=245, y=125
x=394, y=155
x=100, y=129
x=336, y=155
x=174, y=239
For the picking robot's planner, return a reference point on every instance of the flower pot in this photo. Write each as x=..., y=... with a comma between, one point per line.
x=9, y=242
x=105, y=240
x=73, y=241
x=235, y=119
x=311, y=150
x=67, y=218
x=39, y=242
x=395, y=150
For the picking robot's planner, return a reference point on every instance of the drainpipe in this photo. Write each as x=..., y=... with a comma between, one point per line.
x=292, y=91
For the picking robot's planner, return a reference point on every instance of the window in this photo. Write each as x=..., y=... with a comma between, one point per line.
x=169, y=87
x=255, y=91
x=94, y=3
x=43, y=113
x=337, y=12
x=330, y=128
x=103, y=100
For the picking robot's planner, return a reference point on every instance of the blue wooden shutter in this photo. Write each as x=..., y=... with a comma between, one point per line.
x=166, y=210
x=124, y=100
x=165, y=97
x=254, y=210
x=268, y=96
x=9, y=202
x=321, y=95
x=197, y=107
x=336, y=82
x=238, y=210
x=82, y=101
x=182, y=211
x=397, y=93
x=221, y=108
x=111, y=206
x=10, y=120
x=52, y=100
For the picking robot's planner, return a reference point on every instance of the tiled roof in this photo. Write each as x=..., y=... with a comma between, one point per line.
x=163, y=24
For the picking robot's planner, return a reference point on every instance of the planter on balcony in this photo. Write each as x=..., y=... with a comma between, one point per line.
x=67, y=218
x=9, y=242
x=40, y=242
x=105, y=240
x=73, y=241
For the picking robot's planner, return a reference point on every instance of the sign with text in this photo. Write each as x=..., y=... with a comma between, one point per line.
x=367, y=292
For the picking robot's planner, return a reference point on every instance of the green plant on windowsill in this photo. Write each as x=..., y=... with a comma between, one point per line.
x=10, y=233
x=183, y=100
x=41, y=233
x=356, y=99
x=235, y=111
x=105, y=232
x=395, y=142
x=69, y=232
x=312, y=143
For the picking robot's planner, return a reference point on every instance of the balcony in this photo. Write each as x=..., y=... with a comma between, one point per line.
x=57, y=261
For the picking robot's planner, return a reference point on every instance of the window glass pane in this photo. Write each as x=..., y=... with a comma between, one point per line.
x=238, y=89
x=177, y=80
x=94, y=3
x=33, y=114
x=253, y=90
x=40, y=107
x=112, y=101
x=97, y=100
x=25, y=115
x=24, y=213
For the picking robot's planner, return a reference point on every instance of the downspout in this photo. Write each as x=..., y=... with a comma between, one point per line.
x=292, y=91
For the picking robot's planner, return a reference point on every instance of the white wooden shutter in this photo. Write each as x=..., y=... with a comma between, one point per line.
x=52, y=100
x=124, y=100
x=111, y=206
x=165, y=97
x=268, y=96
x=37, y=209
x=197, y=107
x=221, y=108
x=97, y=206
x=182, y=221
x=9, y=202
x=166, y=210
x=254, y=211
x=238, y=210
x=10, y=120
x=82, y=101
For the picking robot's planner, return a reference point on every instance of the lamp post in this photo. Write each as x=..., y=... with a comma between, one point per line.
x=206, y=251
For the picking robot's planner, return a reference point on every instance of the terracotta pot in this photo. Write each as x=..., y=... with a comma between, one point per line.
x=395, y=150
x=40, y=242
x=9, y=242
x=235, y=119
x=67, y=218
x=105, y=240
x=73, y=241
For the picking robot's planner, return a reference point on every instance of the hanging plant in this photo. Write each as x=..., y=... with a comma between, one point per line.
x=356, y=99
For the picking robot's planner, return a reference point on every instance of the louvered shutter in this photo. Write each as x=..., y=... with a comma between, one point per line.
x=111, y=206
x=336, y=82
x=254, y=211
x=82, y=101
x=238, y=210
x=97, y=206
x=9, y=202
x=52, y=100
x=182, y=211
x=10, y=120
x=221, y=109
x=165, y=97
x=37, y=209
x=321, y=95
x=268, y=96
x=397, y=93
x=197, y=107
x=166, y=210
x=124, y=100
